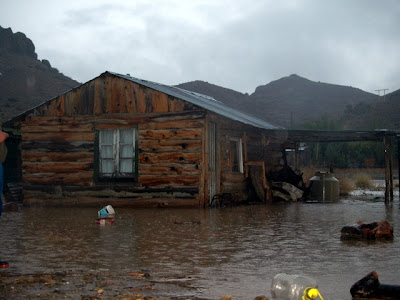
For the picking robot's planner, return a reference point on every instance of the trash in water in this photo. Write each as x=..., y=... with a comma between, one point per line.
x=106, y=211
x=106, y=215
x=294, y=287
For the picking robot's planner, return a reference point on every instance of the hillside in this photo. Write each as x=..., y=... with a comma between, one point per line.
x=290, y=100
x=227, y=96
x=381, y=114
x=25, y=81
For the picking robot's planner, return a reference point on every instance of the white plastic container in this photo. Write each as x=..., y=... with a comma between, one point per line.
x=106, y=211
x=294, y=287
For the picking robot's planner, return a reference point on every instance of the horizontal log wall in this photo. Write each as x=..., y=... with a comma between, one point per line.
x=171, y=152
x=58, y=146
x=169, y=157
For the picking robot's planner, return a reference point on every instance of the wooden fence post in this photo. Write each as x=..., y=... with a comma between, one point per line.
x=387, y=145
x=398, y=161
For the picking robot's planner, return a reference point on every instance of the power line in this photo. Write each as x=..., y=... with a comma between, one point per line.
x=384, y=93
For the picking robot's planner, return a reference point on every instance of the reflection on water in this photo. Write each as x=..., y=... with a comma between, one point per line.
x=233, y=251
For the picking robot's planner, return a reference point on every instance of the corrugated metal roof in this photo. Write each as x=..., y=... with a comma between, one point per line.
x=203, y=101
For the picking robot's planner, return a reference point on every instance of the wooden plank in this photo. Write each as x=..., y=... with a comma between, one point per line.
x=55, y=121
x=233, y=177
x=160, y=102
x=56, y=166
x=116, y=95
x=140, y=96
x=151, y=180
x=83, y=103
x=99, y=96
x=194, y=133
x=40, y=156
x=64, y=136
x=114, y=125
x=169, y=169
x=170, y=145
x=180, y=158
x=173, y=124
x=128, y=118
x=74, y=127
x=108, y=105
x=57, y=146
x=131, y=105
x=56, y=107
x=79, y=178
x=175, y=105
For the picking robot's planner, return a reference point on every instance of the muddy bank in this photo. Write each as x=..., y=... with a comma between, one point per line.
x=94, y=285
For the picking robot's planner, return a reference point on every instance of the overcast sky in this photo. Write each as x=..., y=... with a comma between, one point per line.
x=237, y=44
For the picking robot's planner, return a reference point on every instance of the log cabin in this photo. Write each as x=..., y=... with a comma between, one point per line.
x=125, y=141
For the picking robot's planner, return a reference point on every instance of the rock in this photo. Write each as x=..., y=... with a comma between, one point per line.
x=16, y=43
x=226, y=297
x=46, y=63
x=369, y=287
x=367, y=231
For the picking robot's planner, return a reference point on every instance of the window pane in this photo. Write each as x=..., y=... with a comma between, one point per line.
x=106, y=152
x=126, y=136
x=126, y=165
x=107, y=166
x=106, y=137
x=126, y=151
x=117, y=152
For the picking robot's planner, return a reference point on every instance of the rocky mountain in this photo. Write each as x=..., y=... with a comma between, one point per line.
x=289, y=101
x=25, y=81
x=292, y=100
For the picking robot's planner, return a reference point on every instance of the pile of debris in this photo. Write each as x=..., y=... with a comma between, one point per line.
x=367, y=231
x=287, y=185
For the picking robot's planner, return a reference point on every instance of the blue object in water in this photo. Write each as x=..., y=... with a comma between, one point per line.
x=106, y=211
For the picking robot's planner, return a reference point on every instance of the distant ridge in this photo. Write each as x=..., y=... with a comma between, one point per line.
x=381, y=114
x=294, y=99
x=227, y=96
x=25, y=81
x=288, y=101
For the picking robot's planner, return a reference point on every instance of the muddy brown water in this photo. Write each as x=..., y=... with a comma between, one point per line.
x=235, y=250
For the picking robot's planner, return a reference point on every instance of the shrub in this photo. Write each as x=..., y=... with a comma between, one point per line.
x=363, y=181
x=346, y=185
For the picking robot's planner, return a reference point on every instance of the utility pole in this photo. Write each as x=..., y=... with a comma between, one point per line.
x=384, y=93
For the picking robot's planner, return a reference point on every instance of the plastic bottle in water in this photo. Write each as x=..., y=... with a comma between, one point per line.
x=294, y=287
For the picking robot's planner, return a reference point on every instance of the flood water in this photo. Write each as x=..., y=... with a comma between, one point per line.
x=235, y=250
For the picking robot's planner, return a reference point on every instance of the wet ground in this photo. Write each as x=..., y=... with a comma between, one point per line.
x=192, y=253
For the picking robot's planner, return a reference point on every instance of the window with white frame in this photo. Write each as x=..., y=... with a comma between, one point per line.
x=117, y=153
x=236, y=155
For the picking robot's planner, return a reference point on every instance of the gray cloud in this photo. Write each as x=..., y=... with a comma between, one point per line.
x=228, y=43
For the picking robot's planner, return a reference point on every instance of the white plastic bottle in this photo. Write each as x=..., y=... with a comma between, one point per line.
x=294, y=287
